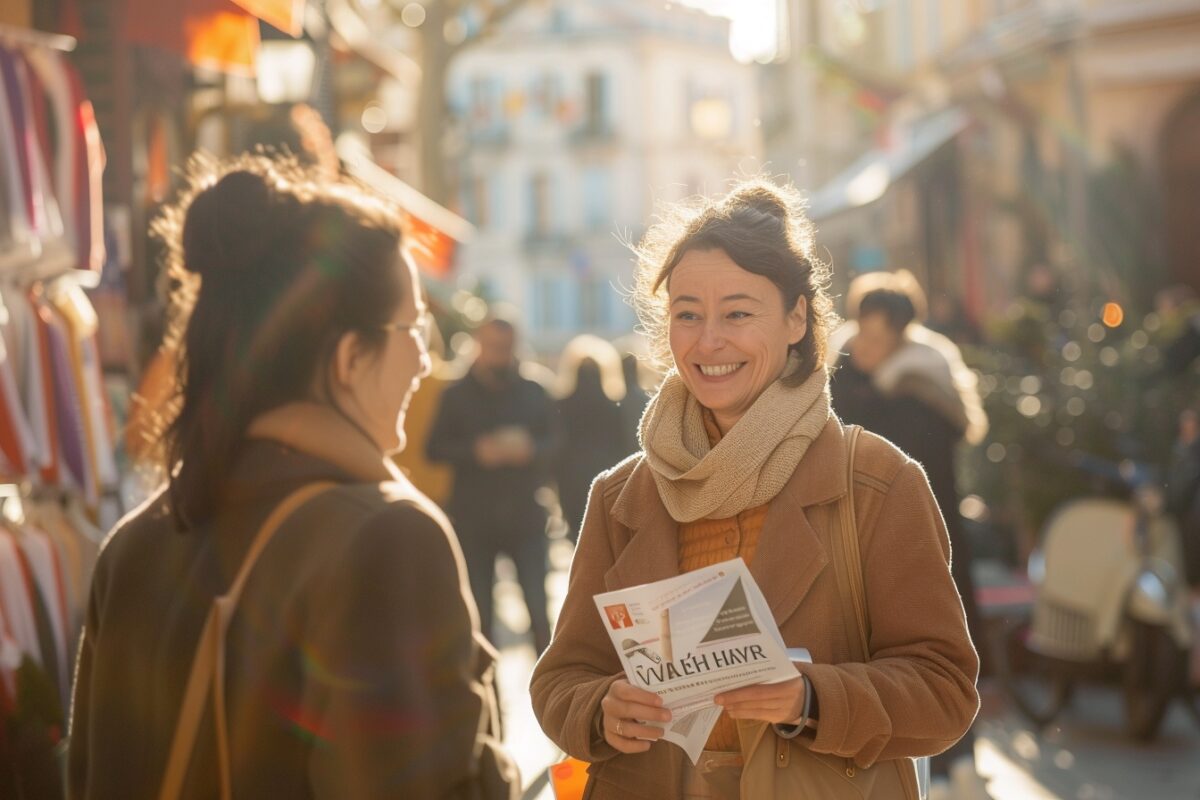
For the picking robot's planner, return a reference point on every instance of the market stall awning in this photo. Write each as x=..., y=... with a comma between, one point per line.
x=869, y=178
x=431, y=231
x=219, y=34
x=286, y=15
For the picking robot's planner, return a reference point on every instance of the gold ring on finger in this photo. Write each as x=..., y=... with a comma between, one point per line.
x=619, y=728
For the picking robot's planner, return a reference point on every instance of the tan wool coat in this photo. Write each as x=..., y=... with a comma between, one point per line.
x=915, y=697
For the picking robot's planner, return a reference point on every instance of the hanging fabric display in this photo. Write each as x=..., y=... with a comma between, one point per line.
x=57, y=458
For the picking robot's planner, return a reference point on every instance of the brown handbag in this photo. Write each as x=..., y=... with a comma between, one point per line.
x=778, y=767
x=208, y=666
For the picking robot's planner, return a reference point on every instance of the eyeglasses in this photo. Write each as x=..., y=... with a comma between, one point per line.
x=422, y=329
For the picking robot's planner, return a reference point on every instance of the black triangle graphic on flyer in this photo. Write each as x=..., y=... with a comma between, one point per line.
x=734, y=618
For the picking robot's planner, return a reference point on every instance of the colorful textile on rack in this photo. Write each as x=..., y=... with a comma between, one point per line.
x=28, y=591
x=77, y=541
x=33, y=668
x=18, y=228
x=73, y=306
x=17, y=442
x=55, y=421
x=34, y=227
x=46, y=571
x=40, y=202
x=20, y=634
x=78, y=162
x=23, y=342
x=18, y=120
x=67, y=407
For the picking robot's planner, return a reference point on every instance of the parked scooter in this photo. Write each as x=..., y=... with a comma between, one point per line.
x=1111, y=604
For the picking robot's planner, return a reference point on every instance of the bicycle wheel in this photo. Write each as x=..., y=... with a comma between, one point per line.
x=1150, y=679
x=1039, y=687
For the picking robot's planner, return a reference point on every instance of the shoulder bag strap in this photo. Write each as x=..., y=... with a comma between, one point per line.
x=851, y=555
x=208, y=666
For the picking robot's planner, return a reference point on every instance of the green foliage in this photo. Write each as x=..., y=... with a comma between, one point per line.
x=1057, y=382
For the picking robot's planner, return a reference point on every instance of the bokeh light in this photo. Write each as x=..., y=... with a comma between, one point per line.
x=1113, y=315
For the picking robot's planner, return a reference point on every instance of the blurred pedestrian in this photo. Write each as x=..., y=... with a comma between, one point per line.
x=1178, y=309
x=498, y=431
x=634, y=404
x=744, y=459
x=353, y=665
x=1183, y=491
x=591, y=384
x=908, y=384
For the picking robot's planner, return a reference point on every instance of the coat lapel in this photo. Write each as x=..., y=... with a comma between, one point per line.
x=653, y=550
x=789, y=557
x=790, y=553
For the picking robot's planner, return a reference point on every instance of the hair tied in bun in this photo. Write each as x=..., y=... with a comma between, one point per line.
x=763, y=199
x=228, y=225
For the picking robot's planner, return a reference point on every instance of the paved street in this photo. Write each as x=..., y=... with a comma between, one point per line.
x=1088, y=757
x=1085, y=757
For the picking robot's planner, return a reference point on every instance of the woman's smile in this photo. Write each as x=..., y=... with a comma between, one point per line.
x=718, y=372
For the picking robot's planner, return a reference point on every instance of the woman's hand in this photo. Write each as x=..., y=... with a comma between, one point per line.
x=777, y=703
x=624, y=710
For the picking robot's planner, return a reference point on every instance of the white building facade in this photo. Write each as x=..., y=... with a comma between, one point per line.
x=572, y=123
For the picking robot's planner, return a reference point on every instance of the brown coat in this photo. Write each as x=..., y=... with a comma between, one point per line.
x=355, y=667
x=916, y=696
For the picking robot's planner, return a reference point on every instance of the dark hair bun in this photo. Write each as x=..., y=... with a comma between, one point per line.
x=227, y=229
x=764, y=199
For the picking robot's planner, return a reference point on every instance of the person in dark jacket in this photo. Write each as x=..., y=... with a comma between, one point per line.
x=498, y=431
x=908, y=384
x=1183, y=491
x=354, y=667
x=591, y=387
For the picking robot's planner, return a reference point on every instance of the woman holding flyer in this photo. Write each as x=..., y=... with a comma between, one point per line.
x=742, y=457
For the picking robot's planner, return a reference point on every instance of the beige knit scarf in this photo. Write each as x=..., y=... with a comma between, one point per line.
x=751, y=463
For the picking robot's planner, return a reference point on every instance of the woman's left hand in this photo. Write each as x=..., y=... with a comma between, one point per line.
x=778, y=703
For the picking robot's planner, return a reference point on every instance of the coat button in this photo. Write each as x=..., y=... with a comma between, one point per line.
x=730, y=538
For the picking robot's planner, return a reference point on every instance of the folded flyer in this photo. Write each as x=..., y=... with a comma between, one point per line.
x=693, y=636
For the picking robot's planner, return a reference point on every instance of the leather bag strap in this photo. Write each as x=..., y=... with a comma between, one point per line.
x=851, y=555
x=208, y=666
x=851, y=558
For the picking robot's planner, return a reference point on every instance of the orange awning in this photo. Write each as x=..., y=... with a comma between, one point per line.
x=431, y=232
x=221, y=39
x=219, y=34
x=286, y=15
x=431, y=248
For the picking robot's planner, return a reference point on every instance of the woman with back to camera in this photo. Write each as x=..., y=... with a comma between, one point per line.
x=353, y=665
x=742, y=457
x=591, y=386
